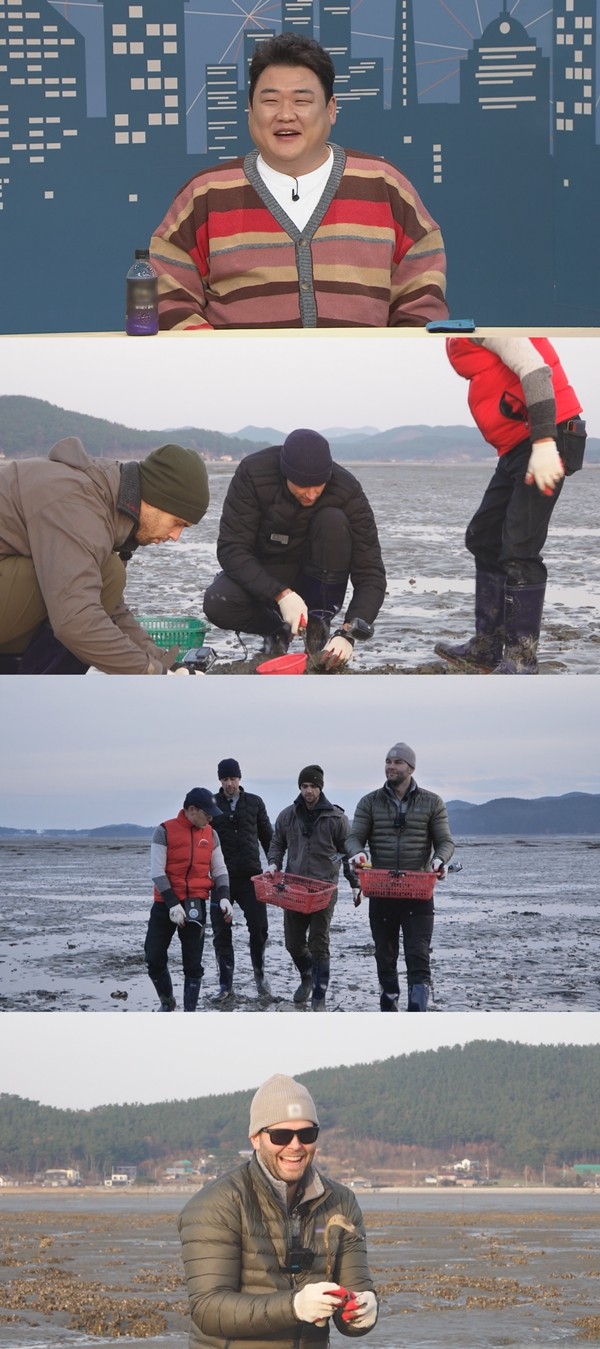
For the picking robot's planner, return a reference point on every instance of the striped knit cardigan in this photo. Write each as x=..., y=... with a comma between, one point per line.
x=228, y=256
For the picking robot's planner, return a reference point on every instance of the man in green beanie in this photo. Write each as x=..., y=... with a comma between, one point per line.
x=68, y=525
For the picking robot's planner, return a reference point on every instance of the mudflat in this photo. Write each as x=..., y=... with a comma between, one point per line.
x=471, y=1279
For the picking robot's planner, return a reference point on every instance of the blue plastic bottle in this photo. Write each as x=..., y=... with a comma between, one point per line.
x=141, y=317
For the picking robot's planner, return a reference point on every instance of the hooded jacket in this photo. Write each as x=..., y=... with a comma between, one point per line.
x=263, y=534
x=316, y=845
x=236, y=1234
x=68, y=513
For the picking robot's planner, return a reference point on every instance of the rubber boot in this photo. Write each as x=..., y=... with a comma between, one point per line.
x=276, y=643
x=388, y=1002
x=164, y=988
x=320, y=980
x=263, y=987
x=418, y=997
x=524, y=608
x=46, y=655
x=317, y=630
x=304, y=989
x=484, y=650
x=10, y=665
x=191, y=990
x=225, y=991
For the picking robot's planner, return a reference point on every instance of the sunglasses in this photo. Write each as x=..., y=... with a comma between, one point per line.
x=281, y=1137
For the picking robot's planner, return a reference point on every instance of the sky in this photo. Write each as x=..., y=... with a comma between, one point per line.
x=85, y=752
x=78, y=1062
x=226, y=381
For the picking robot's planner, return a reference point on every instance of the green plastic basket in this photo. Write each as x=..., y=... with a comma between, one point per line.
x=182, y=632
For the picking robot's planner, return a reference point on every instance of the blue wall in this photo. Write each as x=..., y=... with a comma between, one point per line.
x=107, y=107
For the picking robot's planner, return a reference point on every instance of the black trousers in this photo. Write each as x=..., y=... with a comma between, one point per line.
x=387, y=918
x=510, y=527
x=160, y=935
x=257, y=922
x=321, y=580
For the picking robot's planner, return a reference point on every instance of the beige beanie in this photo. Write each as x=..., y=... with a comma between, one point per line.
x=280, y=1100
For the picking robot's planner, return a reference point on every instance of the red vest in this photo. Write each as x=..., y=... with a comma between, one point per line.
x=189, y=855
x=491, y=384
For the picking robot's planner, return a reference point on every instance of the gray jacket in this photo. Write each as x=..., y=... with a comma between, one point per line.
x=401, y=839
x=236, y=1234
x=317, y=853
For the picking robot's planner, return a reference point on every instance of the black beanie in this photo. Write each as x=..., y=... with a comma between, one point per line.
x=228, y=768
x=313, y=774
x=175, y=480
x=306, y=459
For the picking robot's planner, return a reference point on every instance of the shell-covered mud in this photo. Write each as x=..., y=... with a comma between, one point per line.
x=421, y=514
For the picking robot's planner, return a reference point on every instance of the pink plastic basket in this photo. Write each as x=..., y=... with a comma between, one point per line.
x=303, y=894
x=377, y=884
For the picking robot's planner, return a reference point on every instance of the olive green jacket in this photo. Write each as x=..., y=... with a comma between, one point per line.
x=236, y=1234
x=425, y=832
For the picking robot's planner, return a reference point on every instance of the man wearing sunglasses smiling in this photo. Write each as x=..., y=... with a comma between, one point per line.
x=274, y=1249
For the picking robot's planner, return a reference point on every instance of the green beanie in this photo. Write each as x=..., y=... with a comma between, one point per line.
x=175, y=480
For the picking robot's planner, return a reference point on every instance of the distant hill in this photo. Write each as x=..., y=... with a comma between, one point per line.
x=574, y=813
x=532, y=1103
x=30, y=426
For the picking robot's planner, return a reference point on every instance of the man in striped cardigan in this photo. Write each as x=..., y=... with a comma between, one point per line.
x=299, y=233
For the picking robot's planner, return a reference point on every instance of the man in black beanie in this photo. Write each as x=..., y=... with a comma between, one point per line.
x=295, y=528
x=68, y=524
x=242, y=826
x=313, y=833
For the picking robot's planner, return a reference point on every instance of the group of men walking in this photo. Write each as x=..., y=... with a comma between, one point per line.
x=208, y=854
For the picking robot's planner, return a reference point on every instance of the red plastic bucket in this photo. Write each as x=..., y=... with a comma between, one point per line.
x=292, y=664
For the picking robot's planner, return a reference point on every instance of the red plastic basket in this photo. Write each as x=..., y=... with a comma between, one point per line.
x=302, y=894
x=376, y=884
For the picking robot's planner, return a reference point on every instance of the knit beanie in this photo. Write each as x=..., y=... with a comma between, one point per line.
x=306, y=459
x=228, y=768
x=313, y=774
x=175, y=480
x=279, y=1100
x=402, y=751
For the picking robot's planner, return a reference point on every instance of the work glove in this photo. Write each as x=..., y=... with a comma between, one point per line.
x=271, y=869
x=359, y=860
x=545, y=466
x=316, y=1302
x=177, y=914
x=439, y=867
x=293, y=611
x=226, y=909
x=356, y=897
x=181, y=669
x=360, y=1311
x=338, y=651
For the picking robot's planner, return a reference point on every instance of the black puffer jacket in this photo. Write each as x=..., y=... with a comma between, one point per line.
x=263, y=533
x=235, y=1235
x=424, y=833
x=240, y=832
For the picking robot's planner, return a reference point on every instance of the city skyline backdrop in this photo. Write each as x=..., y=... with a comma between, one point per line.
x=522, y=129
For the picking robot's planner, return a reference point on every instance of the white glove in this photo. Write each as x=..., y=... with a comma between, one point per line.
x=316, y=1302
x=177, y=914
x=358, y=860
x=293, y=611
x=366, y=1315
x=271, y=869
x=545, y=466
x=184, y=670
x=226, y=909
x=439, y=867
x=338, y=651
